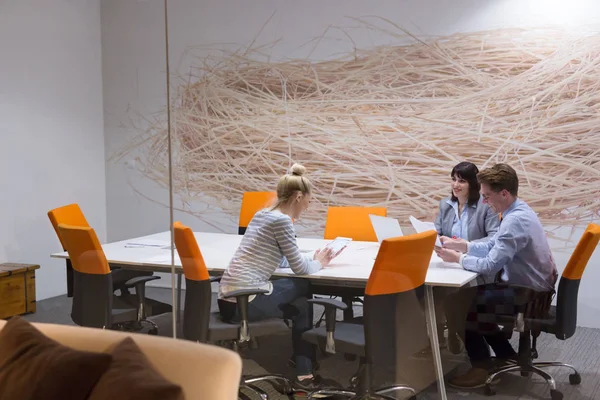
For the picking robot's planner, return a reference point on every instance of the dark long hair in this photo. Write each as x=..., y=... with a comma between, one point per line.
x=467, y=171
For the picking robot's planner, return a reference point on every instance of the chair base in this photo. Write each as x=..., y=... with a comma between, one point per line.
x=379, y=394
x=535, y=368
x=136, y=326
x=279, y=383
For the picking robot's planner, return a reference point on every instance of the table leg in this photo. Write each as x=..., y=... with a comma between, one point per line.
x=348, y=312
x=435, y=344
x=179, y=279
x=69, y=278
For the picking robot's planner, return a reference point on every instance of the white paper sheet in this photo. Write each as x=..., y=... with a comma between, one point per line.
x=161, y=244
x=385, y=227
x=421, y=226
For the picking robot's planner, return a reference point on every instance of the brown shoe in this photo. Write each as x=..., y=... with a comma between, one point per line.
x=472, y=379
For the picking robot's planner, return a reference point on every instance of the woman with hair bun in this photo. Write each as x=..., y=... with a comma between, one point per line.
x=270, y=243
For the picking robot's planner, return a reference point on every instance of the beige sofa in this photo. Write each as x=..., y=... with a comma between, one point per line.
x=204, y=371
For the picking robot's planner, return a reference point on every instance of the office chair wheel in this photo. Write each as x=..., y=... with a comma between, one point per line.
x=575, y=379
x=354, y=382
x=488, y=391
x=556, y=395
x=283, y=388
x=153, y=331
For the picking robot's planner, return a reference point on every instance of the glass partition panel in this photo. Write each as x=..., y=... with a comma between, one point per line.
x=136, y=125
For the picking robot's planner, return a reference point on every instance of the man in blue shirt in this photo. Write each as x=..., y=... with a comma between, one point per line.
x=518, y=254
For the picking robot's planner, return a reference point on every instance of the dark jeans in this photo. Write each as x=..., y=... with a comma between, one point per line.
x=471, y=312
x=440, y=294
x=289, y=301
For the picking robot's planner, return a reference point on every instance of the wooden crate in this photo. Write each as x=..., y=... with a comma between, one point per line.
x=17, y=289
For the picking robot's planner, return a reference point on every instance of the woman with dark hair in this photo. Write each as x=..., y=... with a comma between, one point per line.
x=465, y=217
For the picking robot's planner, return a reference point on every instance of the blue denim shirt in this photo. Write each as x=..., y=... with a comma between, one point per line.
x=519, y=249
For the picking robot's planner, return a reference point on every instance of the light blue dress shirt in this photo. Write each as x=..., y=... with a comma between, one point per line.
x=519, y=249
x=460, y=226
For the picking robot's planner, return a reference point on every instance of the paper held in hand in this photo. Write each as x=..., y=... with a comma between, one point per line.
x=421, y=226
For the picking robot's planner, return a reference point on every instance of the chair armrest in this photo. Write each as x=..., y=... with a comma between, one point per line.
x=215, y=278
x=329, y=303
x=242, y=296
x=140, y=279
x=331, y=307
x=244, y=292
x=140, y=290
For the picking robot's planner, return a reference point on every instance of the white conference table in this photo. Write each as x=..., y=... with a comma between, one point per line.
x=350, y=269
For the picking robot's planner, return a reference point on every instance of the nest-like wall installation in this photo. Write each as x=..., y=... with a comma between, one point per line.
x=384, y=126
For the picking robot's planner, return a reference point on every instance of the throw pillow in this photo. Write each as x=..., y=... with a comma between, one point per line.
x=33, y=366
x=131, y=377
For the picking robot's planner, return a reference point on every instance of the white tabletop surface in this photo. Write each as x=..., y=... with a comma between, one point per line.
x=354, y=264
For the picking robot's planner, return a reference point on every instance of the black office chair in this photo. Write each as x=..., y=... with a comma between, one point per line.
x=94, y=302
x=393, y=322
x=200, y=325
x=560, y=320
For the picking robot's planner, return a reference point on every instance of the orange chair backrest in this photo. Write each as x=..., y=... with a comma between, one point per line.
x=252, y=202
x=582, y=253
x=68, y=215
x=401, y=264
x=84, y=249
x=192, y=261
x=352, y=222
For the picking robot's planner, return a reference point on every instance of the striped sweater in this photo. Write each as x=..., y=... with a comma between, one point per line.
x=269, y=243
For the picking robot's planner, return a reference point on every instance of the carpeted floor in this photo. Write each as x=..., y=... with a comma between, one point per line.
x=582, y=350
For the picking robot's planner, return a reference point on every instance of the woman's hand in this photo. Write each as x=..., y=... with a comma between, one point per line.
x=324, y=256
x=454, y=244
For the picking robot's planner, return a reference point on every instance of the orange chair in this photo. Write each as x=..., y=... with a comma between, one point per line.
x=352, y=222
x=560, y=320
x=70, y=214
x=252, y=202
x=94, y=304
x=393, y=325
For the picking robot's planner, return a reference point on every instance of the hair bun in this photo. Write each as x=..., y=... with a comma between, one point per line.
x=297, y=170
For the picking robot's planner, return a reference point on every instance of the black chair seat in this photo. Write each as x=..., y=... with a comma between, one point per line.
x=548, y=323
x=349, y=338
x=221, y=330
x=123, y=310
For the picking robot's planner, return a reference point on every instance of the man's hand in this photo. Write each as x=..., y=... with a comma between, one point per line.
x=454, y=244
x=448, y=255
